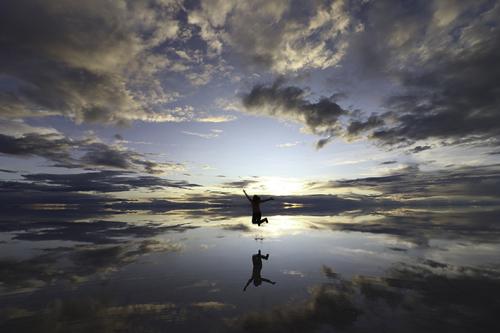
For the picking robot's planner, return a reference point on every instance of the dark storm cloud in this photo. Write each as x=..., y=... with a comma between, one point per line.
x=291, y=103
x=89, y=61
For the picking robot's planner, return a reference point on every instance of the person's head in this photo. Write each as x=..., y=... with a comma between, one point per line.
x=256, y=198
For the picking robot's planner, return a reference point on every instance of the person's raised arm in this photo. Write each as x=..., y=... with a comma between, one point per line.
x=267, y=200
x=249, y=199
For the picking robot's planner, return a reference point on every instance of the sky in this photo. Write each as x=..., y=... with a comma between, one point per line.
x=166, y=104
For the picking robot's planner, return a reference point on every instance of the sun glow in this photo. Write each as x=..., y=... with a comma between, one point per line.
x=282, y=186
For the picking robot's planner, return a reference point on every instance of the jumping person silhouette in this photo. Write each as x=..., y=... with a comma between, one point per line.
x=256, y=213
x=257, y=267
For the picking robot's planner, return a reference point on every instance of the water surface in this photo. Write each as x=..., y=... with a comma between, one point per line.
x=393, y=270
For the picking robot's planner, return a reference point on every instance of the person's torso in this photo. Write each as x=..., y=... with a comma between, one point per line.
x=256, y=207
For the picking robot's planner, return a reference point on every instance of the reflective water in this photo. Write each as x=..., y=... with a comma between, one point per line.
x=392, y=271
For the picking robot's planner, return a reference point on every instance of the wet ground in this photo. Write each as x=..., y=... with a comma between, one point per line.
x=380, y=271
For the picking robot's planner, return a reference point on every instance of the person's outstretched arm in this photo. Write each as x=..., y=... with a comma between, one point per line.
x=268, y=281
x=267, y=200
x=249, y=199
x=249, y=280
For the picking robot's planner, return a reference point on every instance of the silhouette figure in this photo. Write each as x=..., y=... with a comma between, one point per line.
x=257, y=267
x=256, y=213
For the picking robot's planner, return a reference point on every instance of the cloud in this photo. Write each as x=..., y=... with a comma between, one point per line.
x=102, y=181
x=329, y=272
x=86, y=61
x=474, y=183
x=51, y=146
x=240, y=183
x=327, y=306
x=413, y=296
x=442, y=58
x=77, y=196
x=214, y=133
x=103, y=155
x=55, y=147
x=95, y=232
x=288, y=144
x=51, y=201
x=215, y=118
x=424, y=289
x=419, y=149
x=212, y=305
x=442, y=75
x=285, y=36
x=290, y=103
x=314, y=205
x=358, y=126
x=86, y=313
x=418, y=226
x=236, y=227
x=80, y=262
x=83, y=195
x=494, y=153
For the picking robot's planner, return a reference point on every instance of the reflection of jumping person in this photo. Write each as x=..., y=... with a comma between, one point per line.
x=256, y=213
x=257, y=267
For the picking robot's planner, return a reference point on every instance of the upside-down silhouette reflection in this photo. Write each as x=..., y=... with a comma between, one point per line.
x=257, y=267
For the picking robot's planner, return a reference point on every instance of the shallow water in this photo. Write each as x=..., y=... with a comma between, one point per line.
x=400, y=270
